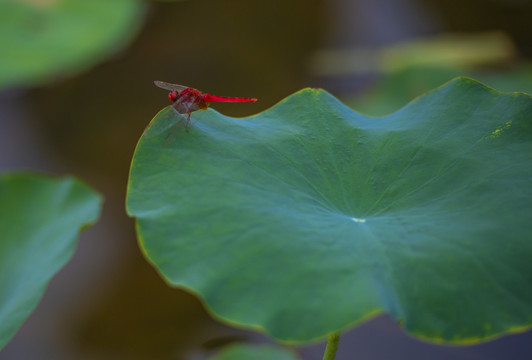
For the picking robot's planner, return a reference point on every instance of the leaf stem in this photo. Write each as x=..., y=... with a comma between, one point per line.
x=332, y=346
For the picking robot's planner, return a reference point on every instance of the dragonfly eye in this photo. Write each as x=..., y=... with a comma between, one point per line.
x=173, y=96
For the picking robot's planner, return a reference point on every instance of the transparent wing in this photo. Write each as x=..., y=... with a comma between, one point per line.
x=169, y=86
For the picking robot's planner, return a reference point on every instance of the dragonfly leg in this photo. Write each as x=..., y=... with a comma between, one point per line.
x=188, y=121
x=188, y=117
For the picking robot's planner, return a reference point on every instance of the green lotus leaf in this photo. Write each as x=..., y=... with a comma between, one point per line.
x=393, y=91
x=40, y=219
x=310, y=218
x=43, y=40
x=254, y=352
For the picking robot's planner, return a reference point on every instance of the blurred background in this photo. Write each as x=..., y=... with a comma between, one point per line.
x=76, y=92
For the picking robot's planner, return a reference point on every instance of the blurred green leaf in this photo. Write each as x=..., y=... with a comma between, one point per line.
x=40, y=219
x=310, y=218
x=254, y=352
x=442, y=50
x=47, y=39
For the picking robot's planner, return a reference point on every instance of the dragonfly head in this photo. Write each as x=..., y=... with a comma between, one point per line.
x=172, y=96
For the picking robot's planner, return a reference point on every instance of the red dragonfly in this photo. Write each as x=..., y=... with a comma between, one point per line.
x=185, y=99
